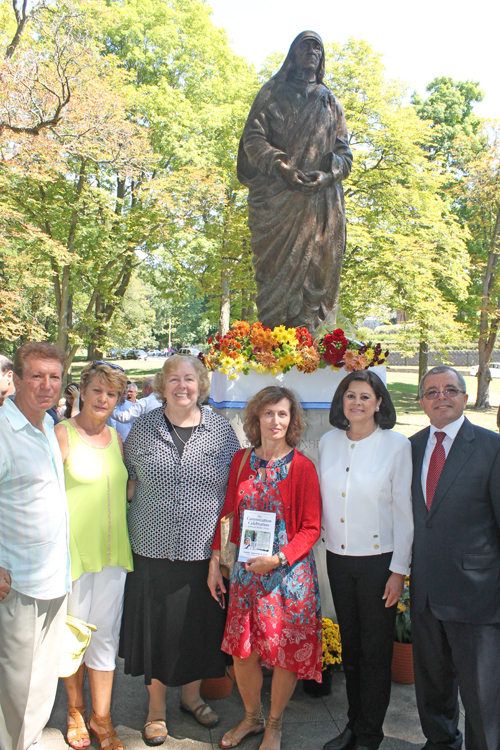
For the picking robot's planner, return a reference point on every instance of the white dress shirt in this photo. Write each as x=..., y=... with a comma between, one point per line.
x=143, y=406
x=366, y=493
x=34, y=518
x=451, y=431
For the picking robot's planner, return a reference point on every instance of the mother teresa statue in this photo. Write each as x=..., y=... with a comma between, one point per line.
x=293, y=155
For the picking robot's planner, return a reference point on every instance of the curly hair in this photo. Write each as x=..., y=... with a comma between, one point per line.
x=271, y=395
x=171, y=364
x=385, y=418
x=112, y=376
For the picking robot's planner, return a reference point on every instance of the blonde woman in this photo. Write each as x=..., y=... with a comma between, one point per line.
x=178, y=457
x=96, y=487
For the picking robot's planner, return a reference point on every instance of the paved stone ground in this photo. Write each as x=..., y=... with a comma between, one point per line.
x=308, y=722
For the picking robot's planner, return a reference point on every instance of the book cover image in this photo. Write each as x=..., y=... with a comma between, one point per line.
x=257, y=535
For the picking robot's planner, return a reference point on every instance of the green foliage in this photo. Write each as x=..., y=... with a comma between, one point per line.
x=405, y=250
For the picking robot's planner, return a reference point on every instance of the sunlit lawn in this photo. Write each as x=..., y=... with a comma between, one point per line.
x=403, y=387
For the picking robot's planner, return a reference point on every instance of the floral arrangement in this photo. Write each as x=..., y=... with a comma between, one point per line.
x=257, y=347
x=332, y=648
x=403, y=621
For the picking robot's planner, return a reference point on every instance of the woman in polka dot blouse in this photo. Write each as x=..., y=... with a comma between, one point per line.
x=178, y=457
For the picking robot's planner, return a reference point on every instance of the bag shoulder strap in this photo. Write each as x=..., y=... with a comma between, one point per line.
x=246, y=453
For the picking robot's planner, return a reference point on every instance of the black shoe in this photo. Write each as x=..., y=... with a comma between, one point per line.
x=344, y=741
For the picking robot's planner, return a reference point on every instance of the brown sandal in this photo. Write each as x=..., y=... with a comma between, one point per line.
x=77, y=730
x=157, y=735
x=258, y=726
x=275, y=724
x=107, y=738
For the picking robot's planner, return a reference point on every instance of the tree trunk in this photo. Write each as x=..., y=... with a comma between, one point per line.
x=225, y=309
x=483, y=388
x=423, y=359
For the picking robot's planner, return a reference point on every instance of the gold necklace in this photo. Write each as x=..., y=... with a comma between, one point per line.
x=184, y=442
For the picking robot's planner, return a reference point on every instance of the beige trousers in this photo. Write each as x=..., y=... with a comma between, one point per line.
x=31, y=634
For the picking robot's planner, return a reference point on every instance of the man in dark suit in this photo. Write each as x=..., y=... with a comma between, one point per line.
x=455, y=575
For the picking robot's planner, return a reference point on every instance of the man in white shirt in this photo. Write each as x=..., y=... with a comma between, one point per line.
x=143, y=406
x=455, y=575
x=34, y=547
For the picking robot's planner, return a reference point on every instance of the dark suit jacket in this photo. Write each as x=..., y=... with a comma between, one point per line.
x=456, y=550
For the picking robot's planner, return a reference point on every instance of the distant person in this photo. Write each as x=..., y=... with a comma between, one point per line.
x=72, y=401
x=455, y=594
x=96, y=487
x=140, y=407
x=34, y=547
x=131, y=392
x=274, y=614
x=122, y=428
x=6, y=378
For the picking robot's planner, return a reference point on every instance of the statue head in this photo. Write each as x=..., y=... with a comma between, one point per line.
x=307, y=54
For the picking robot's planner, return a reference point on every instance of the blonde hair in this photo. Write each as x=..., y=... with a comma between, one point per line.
x=171, y=364
x=106, y=374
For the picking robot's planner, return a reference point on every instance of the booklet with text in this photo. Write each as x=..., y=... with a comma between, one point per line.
x=257, y=535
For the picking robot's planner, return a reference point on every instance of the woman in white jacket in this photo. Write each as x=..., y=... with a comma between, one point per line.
x=365, y=472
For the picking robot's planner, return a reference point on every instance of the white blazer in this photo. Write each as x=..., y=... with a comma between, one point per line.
x=366, y=493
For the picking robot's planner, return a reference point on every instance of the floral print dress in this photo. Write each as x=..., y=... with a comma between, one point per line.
x=277, y=614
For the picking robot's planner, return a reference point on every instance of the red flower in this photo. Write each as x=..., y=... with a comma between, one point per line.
x=210, y=340
x=335, y=347
x=303, y=336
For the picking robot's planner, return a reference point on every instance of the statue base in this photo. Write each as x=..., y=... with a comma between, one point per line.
x=315, y=392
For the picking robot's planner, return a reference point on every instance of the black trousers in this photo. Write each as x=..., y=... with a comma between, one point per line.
x=367, y=634
x=452, y=655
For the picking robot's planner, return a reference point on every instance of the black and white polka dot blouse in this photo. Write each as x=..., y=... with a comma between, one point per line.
x=177, y=500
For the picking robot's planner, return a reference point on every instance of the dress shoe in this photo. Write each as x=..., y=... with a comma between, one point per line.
x=344, y=741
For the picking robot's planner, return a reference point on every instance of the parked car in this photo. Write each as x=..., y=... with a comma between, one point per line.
x=189, y=350
x=136, y=354
x=494, y=370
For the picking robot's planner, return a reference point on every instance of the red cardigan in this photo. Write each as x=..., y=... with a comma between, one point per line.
x=301, y=497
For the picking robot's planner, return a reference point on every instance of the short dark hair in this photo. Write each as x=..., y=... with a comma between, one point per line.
x=385, y=418
x=41, y=349
x=437, y=371
x=271, y=395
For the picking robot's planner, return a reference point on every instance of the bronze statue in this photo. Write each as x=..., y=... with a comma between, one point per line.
x=293, y=155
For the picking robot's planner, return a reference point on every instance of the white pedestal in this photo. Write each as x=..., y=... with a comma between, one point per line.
x=315, y=392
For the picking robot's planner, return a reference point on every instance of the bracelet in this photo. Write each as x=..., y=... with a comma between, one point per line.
x=282, y=558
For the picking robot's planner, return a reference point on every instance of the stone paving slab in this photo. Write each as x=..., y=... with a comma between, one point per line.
x=308, y=722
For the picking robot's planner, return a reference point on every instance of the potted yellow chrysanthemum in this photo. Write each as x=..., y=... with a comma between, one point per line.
x=402, y=660
x=331, y=660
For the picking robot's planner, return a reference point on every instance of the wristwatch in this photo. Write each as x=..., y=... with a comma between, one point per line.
x=282, y=558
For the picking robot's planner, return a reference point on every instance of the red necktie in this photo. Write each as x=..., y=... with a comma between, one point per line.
x=436, y=464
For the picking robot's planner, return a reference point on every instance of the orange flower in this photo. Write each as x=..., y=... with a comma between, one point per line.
x=241, y=328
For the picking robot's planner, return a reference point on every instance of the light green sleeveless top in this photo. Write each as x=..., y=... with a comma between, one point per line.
x=96, y=487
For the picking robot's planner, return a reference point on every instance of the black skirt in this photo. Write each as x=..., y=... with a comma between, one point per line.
x=172, y=627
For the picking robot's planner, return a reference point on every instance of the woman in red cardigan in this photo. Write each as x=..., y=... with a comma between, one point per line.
x=274, y=614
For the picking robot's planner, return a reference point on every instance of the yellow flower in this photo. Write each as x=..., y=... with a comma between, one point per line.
x=369, y=354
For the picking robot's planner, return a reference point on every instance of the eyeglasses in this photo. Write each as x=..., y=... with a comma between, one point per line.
x=109, y=364
x=447, y=393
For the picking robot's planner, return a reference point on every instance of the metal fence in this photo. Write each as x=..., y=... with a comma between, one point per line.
x=458, y=358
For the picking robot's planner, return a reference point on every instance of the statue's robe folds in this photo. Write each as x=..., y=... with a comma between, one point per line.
x=298, y=240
